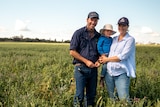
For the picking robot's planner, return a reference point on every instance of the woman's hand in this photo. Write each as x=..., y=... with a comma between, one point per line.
x=103, y=59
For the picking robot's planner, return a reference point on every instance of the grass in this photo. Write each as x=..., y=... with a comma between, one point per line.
x=38, y=75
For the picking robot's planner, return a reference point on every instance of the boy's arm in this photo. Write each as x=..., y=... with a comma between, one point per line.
x=99, y=45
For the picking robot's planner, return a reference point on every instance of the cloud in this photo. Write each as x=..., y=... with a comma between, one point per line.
x=145, y=34
x=146, y=30
x=22, y=25
x=155, y=34
x=149, y=31
x=2, y=29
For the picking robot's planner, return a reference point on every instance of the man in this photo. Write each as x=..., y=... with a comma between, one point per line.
x=83, y=48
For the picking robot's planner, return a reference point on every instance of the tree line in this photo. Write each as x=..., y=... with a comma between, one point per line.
x=21, y=39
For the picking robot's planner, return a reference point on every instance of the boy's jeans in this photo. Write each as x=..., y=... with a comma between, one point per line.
x=104, y=70
x=121, y=83
x=86, y=82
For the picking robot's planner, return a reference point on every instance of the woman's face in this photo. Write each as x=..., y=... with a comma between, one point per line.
x=122, y=29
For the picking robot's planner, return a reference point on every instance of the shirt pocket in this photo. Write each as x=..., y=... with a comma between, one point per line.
x=83, y=43
x=120, y=46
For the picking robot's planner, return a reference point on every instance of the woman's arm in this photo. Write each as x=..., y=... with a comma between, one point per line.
x=128, y=49
x=104, y=59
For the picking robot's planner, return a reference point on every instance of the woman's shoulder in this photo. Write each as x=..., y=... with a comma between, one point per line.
x=130, y=36
x=115, y=37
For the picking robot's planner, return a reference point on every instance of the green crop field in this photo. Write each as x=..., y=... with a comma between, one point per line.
x=39, y=75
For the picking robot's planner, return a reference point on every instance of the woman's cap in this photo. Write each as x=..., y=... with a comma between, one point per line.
x=123, y=21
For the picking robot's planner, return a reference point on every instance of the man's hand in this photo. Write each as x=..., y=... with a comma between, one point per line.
x=90, y=64
x=97, y=64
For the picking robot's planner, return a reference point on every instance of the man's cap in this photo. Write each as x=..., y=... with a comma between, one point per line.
x=123, y=21
x=93, y=15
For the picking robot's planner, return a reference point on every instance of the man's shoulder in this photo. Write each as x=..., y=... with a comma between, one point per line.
x=98, y=35
x=79, y=32
x=82, y=29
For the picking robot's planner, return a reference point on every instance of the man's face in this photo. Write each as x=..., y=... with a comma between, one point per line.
x=91, y=23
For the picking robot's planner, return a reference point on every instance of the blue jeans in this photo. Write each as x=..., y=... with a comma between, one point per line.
x=121, y=83
x=104, y=70
x=86, y=82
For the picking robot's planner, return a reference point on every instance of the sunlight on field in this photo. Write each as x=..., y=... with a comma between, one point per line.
x=39, y=75
x=150, y=45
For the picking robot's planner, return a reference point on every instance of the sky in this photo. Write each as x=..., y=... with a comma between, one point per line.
x=58, y=19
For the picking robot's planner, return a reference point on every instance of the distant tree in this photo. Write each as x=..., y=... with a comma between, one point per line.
x=67, y=41
x=55, y=40
x=16, y=38
x=22, y=39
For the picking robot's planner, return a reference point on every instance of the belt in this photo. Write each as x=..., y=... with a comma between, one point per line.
x=79, y=69
x=78, y=64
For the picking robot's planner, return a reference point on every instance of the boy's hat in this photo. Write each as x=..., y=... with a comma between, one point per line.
x=107, y=27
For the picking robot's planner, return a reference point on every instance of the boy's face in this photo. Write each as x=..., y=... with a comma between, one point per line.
x=107, y=33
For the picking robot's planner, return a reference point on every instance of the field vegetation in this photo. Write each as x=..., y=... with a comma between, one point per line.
x=41, y=75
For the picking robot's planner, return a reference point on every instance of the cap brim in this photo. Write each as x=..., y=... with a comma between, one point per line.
x=94, y=17
x=101, y=31
x=123, y=24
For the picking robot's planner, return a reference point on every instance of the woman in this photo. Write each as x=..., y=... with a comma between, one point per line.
x=120, y=62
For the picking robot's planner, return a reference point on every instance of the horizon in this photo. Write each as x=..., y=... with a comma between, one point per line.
x=58, y=20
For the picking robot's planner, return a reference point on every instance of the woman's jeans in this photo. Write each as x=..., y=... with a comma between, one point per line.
x=121, y=83
x=86, y=82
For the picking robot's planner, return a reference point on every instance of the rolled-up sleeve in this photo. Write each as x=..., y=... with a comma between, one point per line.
x=74, y=41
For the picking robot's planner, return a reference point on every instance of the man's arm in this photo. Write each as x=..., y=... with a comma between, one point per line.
x=76, y=55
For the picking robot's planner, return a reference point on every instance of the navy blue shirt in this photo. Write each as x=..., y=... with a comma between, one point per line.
x=84, y=45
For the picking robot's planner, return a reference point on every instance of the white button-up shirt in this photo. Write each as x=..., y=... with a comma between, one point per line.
x=125, y=51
